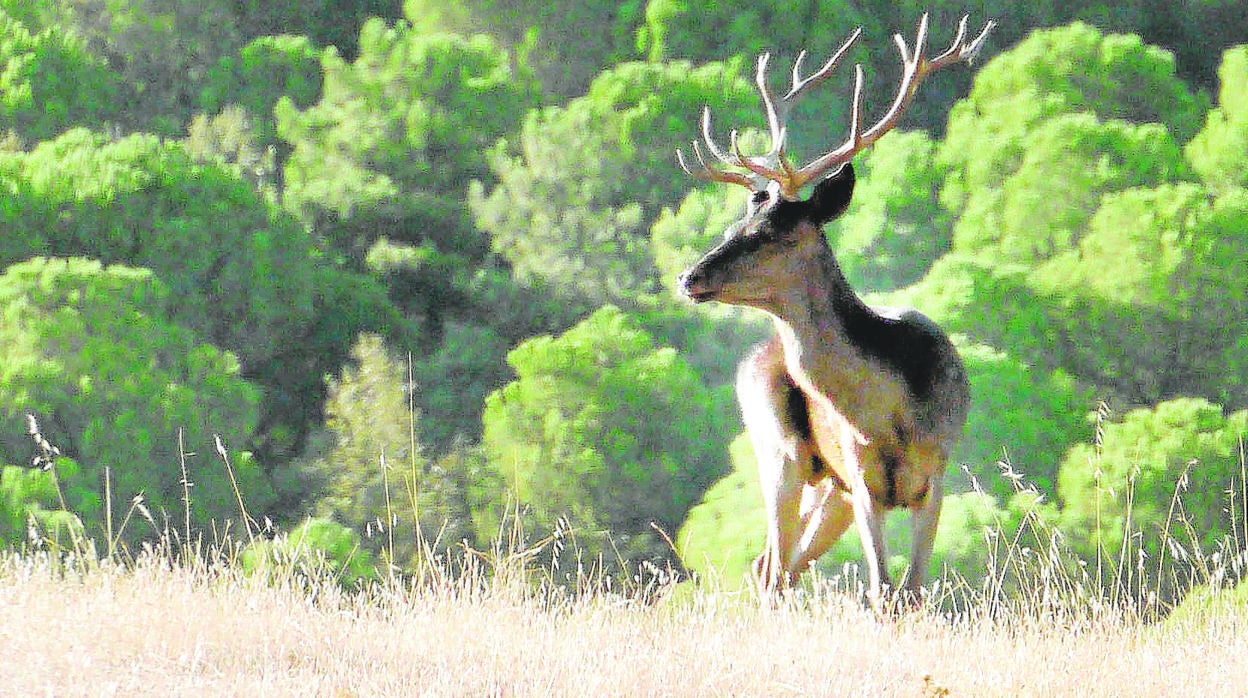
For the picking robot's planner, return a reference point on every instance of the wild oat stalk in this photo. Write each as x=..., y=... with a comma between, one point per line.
x=238, y=495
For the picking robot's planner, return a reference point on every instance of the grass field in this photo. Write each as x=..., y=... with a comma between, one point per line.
x=157, y=627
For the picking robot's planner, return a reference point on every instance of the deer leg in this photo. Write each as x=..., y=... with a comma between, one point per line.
x=924, y=519
x=824, y=522
x=779, y=428
x=781, y=486
x=870, y=518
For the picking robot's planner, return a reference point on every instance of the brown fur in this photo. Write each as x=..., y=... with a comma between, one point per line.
x=883, y=442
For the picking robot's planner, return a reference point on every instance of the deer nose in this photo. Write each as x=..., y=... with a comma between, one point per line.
x=686, y=277
x=692, y=284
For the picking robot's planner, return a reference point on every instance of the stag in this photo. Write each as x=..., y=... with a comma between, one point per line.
x=852, y=410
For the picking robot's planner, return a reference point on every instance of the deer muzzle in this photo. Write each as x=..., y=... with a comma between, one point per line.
x=696, y=285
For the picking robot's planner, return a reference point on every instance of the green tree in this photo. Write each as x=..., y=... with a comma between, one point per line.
x=579, y=188
x=388, y=151
x=1070, y=162
x=325, y=22
x=895, y=227
x=567, y=44
x=1149, y=287
x=262, y=72
x=605, y=429
x=1220, y=151
x=244, y=275
x=1021, y=416
x=375, y=477
x=91, y=353
x=246, y=87
x=1164, y=472
x=727, y=528
x=241, y=275
x=405, y=126
x=163, y=50
x=50, y=81
x=1002, y=131
x=315, y=550
x=28, y=500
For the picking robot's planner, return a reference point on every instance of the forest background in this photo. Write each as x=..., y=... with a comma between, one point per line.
x=408, y=269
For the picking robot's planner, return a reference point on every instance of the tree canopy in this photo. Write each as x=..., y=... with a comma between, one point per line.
x=448, y=234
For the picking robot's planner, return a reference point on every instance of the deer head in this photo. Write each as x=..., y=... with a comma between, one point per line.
x=772, y=246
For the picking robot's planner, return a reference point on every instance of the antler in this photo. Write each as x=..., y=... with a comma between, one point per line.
x=774, y=166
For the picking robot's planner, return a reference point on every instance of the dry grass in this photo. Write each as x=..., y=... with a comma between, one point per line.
x=159, y=628
x=183, y=620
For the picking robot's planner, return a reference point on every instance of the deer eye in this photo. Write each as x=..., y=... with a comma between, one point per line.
x=759, y=198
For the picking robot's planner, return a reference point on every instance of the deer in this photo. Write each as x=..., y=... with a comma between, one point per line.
x=852, y=410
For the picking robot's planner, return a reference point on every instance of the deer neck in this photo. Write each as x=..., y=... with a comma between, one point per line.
x=813, y=319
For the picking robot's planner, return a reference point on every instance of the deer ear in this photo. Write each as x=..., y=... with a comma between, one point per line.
x=832, y=195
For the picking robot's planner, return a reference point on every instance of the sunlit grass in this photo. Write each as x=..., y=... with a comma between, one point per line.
x=169, y=624
x=529, y=616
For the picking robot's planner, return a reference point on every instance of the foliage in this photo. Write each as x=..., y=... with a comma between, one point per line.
x=453, y=382
x=262, y=72
x=1163, y=474
x=252, y=82
x=723, y=534
x=895, y=228
x=91, y=352
x=1021, y=416
x=387, y=154
x=50, y=81
x=578, y=189
x=373, y=426
x=163, y=50
x=375, y=475
x=605, y=429
x=1003, y=133
x=1158, y=262
x=1220, y=151
x=28, y=501
x=241, y=276
x=231, y=139
x=1206, y=604
x=403, y=126
x=325, y=22
x=1032, y=215
x=567, y=44
x=313, y=549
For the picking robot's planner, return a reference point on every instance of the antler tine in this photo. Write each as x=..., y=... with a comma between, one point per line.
x=953, y=51
x=915, y=67
x=680, y=159
x=920, y=40
x=709, y=173
x=800, y=85
x=855, y=116
x=971, y=50
x=710, y=140
x=775, y=121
